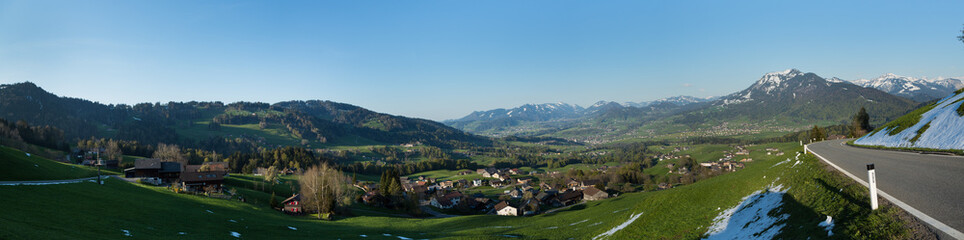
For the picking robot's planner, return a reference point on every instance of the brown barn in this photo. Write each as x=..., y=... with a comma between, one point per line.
x=197, y=181
x=169, y=171
x=144, y=168
x=569, y=198
x=292, y=205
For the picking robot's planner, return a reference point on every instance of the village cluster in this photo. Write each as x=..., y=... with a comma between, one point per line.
x=506, y=191
x=520, y=194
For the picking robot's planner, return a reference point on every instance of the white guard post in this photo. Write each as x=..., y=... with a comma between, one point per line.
x=872, y=180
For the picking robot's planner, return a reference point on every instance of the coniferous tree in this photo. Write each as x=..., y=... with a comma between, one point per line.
x=860, y=124
x=816, y=134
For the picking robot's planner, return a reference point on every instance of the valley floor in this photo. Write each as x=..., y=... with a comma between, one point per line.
x=120, y=209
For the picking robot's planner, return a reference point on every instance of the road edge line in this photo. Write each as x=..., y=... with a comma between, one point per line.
x=913, y=211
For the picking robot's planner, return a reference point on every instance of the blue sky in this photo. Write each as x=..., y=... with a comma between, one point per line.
x=444, y=59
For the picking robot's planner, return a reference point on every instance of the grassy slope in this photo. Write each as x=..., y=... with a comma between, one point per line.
x=906, y=121
x=16, y=165
x=684, y=212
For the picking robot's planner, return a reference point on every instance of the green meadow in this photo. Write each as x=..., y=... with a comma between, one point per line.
x=106, y=211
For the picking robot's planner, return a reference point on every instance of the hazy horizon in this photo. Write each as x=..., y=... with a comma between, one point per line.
x=444, y=60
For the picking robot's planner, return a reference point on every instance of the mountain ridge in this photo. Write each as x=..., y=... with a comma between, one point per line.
x=790, y=97
x=312, y=122
x=917, y=89
x=560, y=115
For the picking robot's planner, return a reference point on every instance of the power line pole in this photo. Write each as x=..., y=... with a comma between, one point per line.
x=98, y=163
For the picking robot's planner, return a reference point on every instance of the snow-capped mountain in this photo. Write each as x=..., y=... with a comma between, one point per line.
x=537, y=117
x=940, y=127
x=677, y=100
x=775, y=80
x=917, y=89
x=789, y=96
x=528, y=112
x=775, y=84
x=801, y=97
x=602, y=106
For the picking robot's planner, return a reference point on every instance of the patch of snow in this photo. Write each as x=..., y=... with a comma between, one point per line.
x=595, y=224
x=28, y=154
x=573, y=224
x=293, y=228
x=750, y=219
x=632, y=219
x=181, y=233
x=386, y=234
x=403, y=238
x=232, y=220
x=35, y=165
x=795, y=164
x=41, y=183
x=781, y=162
x=620, y=210
x=126, y=232
x=771, y=81
x=827, y=225
x=209, y=211
x=236, y=234
x=363, y=235
x=553, y=227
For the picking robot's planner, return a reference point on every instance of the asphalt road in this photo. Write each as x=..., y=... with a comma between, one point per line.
x=932, y=184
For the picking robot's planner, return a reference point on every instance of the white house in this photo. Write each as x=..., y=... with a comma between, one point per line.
x=504, y=209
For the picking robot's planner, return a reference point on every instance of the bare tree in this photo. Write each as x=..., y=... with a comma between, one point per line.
x=113, y=151
x=170, y=153
x=271, y=176
x=323, y=188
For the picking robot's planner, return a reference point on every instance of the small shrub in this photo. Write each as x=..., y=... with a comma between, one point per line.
x=960, y=109
x=920, y=131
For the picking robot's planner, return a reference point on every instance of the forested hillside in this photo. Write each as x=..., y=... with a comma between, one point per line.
x=219, y=126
